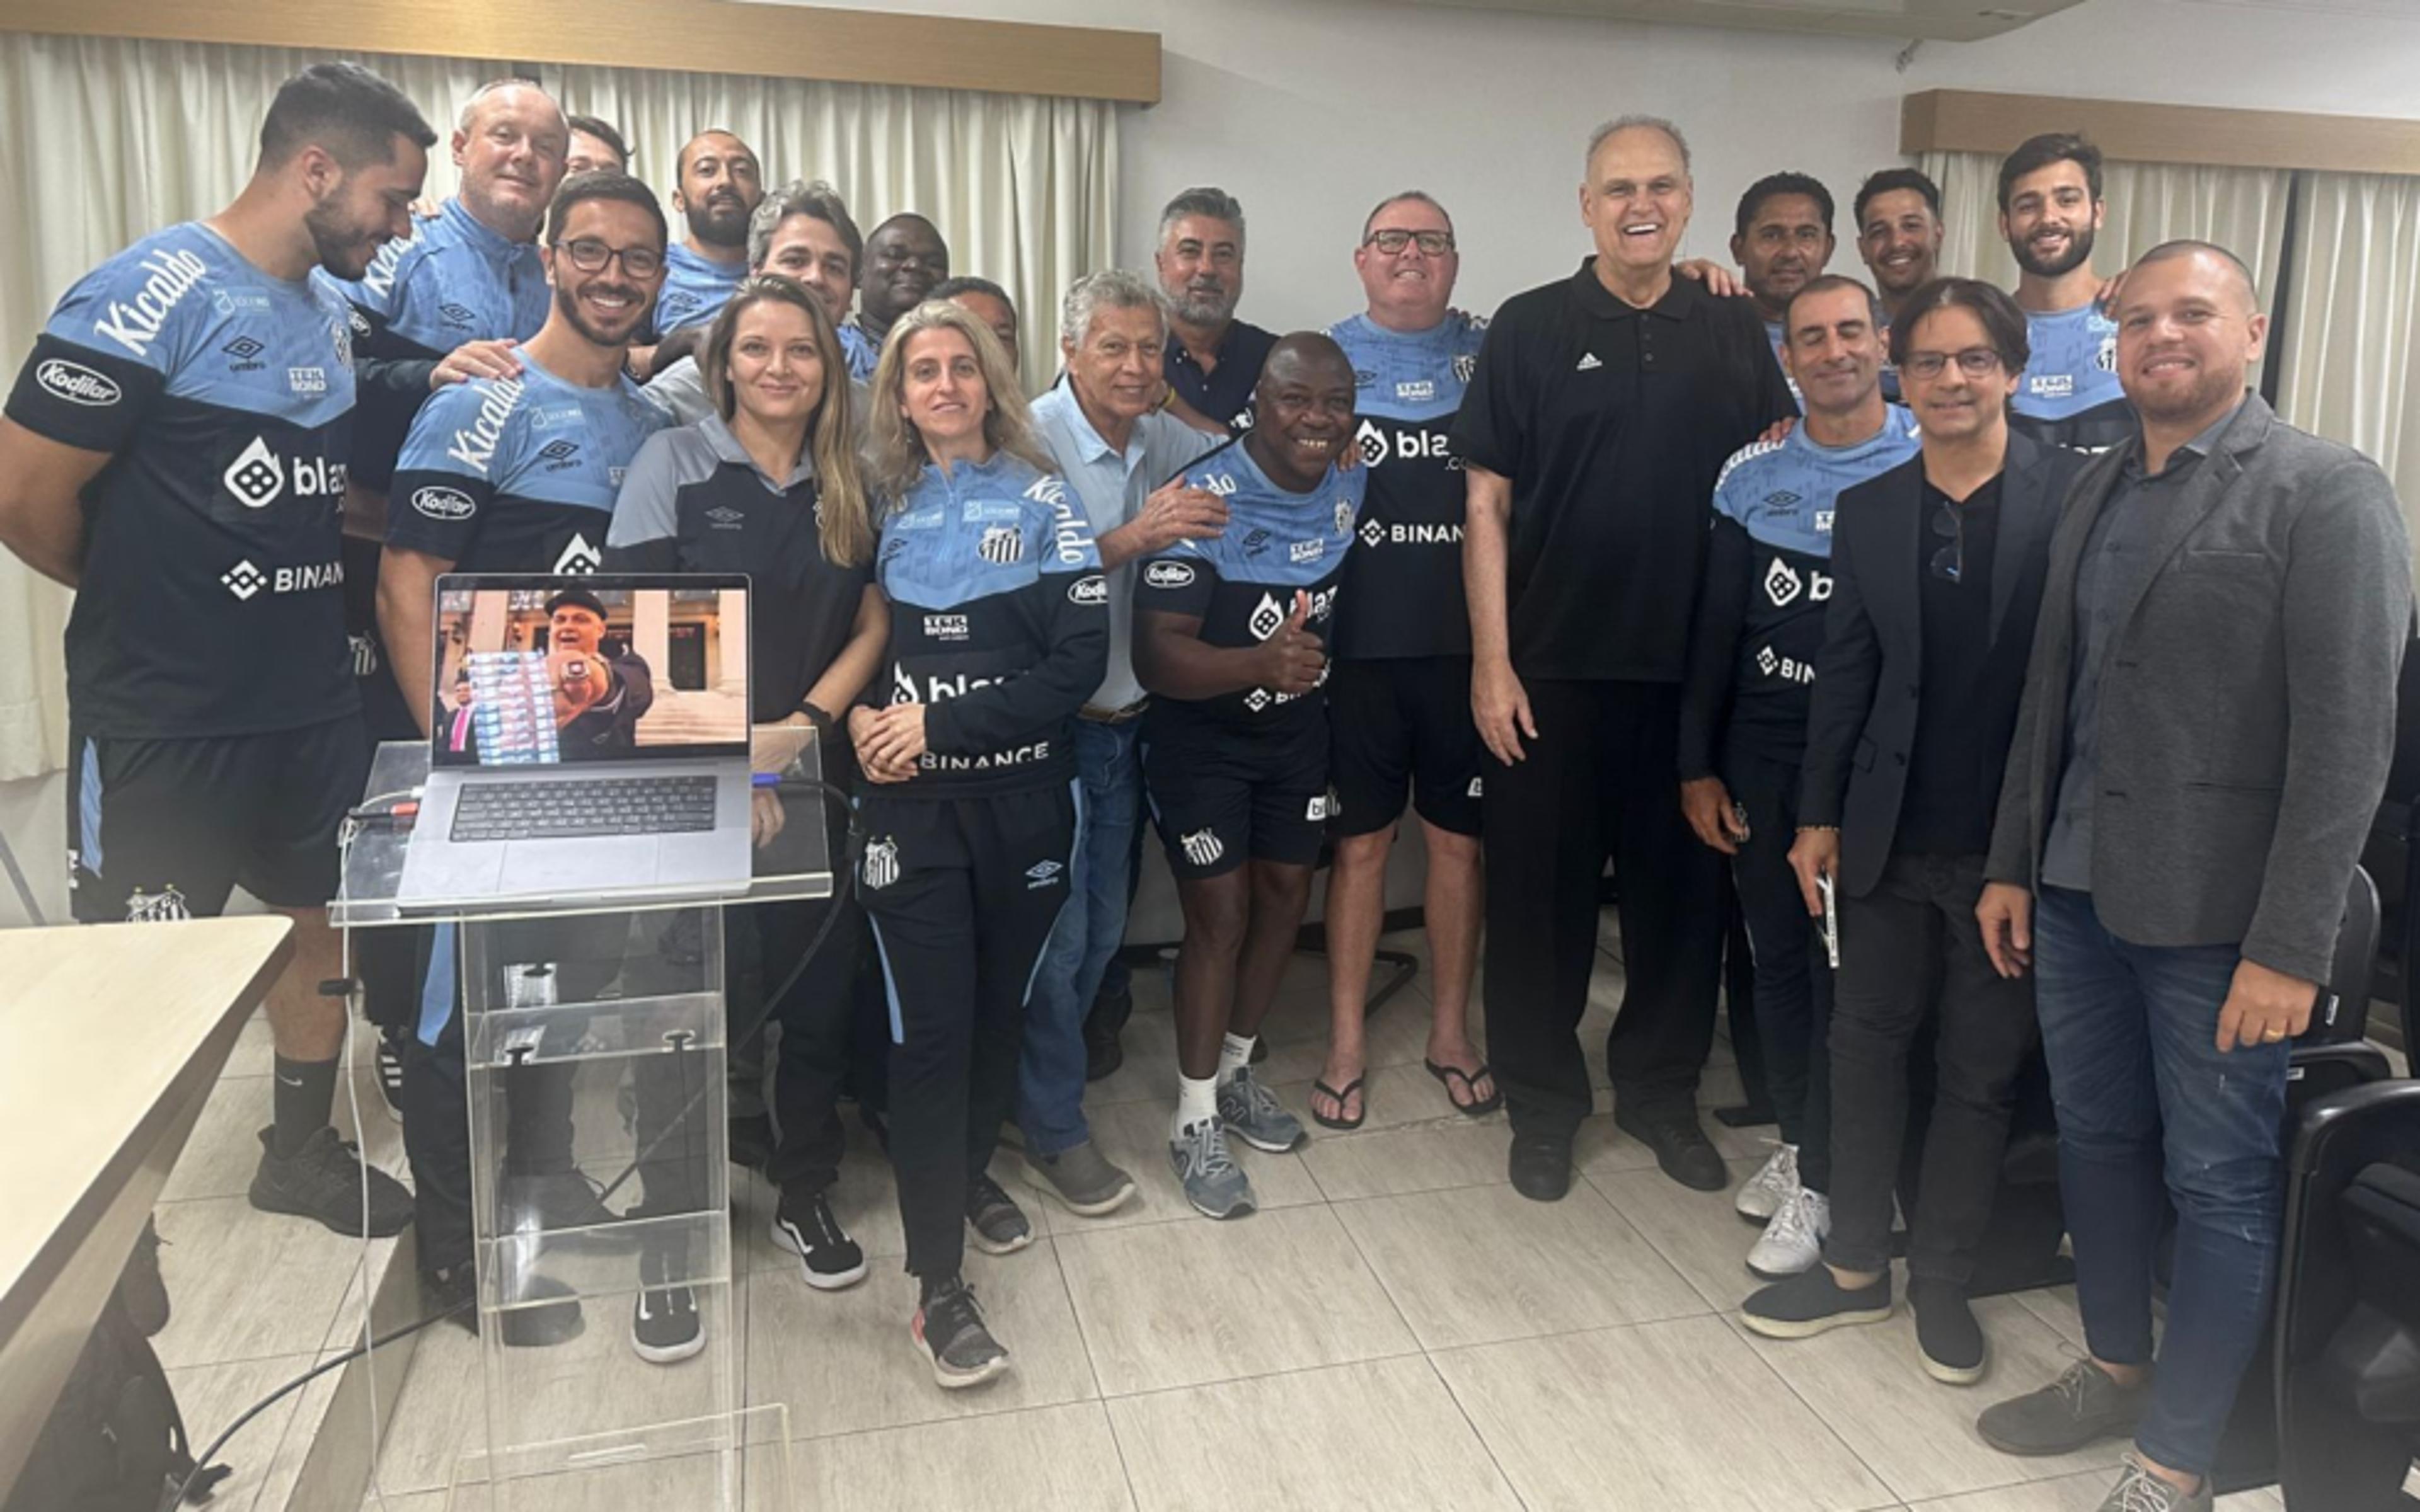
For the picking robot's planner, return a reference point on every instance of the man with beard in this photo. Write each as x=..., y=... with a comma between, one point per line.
x=521, y=475
x=1899, y=235
x=905, y=260
x=1603, y=406
x=1783, y=239
x=175, y=449
x=2207, y=726
x=721, y=186
x=2050, y=209
x=800, y=231
x=1214, y=360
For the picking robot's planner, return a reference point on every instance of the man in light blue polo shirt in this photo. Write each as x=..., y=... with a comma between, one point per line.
x=1103, y=427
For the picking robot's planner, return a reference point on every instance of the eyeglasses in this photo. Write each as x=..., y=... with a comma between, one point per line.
x=1950, y=561
x=1433, y=243
x=590, y=257
x=1975, y=362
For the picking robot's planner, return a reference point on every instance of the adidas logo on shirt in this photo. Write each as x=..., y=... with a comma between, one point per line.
x=1588, y=364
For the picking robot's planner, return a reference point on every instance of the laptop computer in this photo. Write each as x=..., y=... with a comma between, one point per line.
x=591, y=739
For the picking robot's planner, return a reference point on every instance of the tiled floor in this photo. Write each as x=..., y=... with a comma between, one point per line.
x=1395, y=1329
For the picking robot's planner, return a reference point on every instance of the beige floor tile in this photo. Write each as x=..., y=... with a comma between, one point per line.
x=2076, y=1493
x=1485, y=1263
x=1048, y=1459
x=1450, y=1151
x=1134, y=1135
x=2056, y=1306
x=224, y=1150
x=1663, y=1417
x=439, y=1415
x=1186, y=1304
x=406, y=1501
x=255, y=1051
x=844, y=1361
x=1410, y=1446
x=243, y=1285
x=1915, y=1433
x=1698, y=1233
x=1148, y=1073
x=210, y=1397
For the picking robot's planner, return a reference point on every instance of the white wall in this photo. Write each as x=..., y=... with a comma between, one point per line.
x=1311, y=110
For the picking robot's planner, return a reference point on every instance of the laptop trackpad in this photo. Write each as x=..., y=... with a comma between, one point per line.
x=583, y=866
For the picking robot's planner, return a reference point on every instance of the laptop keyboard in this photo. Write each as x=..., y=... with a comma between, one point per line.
x=585, y=808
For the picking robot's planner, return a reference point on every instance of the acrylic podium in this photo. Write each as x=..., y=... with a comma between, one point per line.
x=593, y=1025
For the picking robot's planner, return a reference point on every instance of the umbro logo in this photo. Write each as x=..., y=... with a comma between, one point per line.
x=559, y=452
x=245, y=352
x=724, y=518
x=1588, y=364
x=457, y=315
x=1782, y=500
x=1042, y=873
x=1255, y=543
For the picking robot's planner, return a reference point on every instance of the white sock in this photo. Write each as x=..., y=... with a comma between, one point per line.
x=1234, y=1056
x=1196, y=1101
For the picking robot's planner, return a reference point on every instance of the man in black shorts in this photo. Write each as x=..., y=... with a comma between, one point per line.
x=176, y=449
x=1229, y=637
x=1400, y=688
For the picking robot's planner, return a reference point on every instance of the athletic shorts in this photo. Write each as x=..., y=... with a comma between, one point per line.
x=1218, y=799
x=1397, y=722
x=168, y=828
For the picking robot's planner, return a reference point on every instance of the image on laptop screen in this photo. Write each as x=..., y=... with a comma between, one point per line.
x=537, y=672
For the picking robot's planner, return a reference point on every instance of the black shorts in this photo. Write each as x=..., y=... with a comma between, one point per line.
x=1221, y=797
x=168, y=828
x=1403, y=720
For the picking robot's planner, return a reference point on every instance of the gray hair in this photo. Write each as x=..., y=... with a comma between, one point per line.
x=1637, y=123
x=1419, y=197
x=813, y=198
x=1216, y=204
x=1112, y=288
x=471, y=106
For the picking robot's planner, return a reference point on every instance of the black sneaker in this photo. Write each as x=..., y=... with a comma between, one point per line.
x=569, y=1207
x=948, y=1327
x=390, y=1072
x=665, y=1326
x=1103, y=1053
x=1811, y=1303
x=999, y=1223
x=323, y=1181
x=541, y=1313
x=1682, y=1148
x=1947, y=1337
x=805, y=1226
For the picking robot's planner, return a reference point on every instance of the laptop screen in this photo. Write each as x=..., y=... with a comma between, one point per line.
x=537, y=671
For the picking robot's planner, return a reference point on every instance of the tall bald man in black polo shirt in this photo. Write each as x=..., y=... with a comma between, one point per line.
x=1603, y=406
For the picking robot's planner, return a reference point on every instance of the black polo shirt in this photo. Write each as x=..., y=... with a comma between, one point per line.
x=1612, y=423
x=694, y=501
x=1225, y=392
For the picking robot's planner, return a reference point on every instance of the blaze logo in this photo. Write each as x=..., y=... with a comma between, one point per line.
x=1321, y=809
x=1372, y=444
x=254, y=477
x=1781, y=585
x=1267, y=616
x=579, y=556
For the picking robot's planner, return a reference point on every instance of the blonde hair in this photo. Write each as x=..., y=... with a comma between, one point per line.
x=895, y=451
x=845, y=527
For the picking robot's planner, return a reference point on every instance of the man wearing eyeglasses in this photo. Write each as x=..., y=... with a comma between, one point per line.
x=1936, y=571
x=517, y=474
x=1602, y=407
x=2206, y=731
x=1399, y=688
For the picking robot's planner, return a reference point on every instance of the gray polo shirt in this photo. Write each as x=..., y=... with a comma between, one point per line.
x=2115, y=566
x=1113, y=486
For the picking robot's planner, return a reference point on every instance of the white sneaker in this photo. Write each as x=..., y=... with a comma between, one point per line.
x=1794, y=1241
x=1775, y=1183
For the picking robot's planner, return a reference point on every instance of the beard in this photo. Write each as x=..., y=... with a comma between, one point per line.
x=718, y=223
x=344, y=247
x=2078, y=252
x=567, y=304
x=1200, y=307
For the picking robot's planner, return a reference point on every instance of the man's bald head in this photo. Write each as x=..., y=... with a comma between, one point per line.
x=1303, y=410
x=2240, y=272
x=1307, y=357
x=721, y=184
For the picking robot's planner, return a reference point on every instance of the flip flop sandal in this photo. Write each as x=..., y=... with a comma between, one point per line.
x=1447, y=1075
x=1349, y=1088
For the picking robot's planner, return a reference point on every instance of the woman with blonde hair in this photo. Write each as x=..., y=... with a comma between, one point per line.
x=768, y=484
x=1000, y=629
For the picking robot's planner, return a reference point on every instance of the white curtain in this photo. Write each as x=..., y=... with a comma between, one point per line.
x=110, y=140
x=2242, y=209
x=2351, y=337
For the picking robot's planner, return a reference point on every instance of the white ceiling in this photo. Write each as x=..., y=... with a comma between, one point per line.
x=1958, y=21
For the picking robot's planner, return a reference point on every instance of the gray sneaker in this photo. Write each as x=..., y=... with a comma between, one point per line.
x=1252, y=1112
x=2139, y=1491
x=1081, y=1178
x=1214, y=1183
x=2083, y=1405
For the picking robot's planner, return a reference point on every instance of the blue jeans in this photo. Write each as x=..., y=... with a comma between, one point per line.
x=2148, y=1107
x=1050, y=1070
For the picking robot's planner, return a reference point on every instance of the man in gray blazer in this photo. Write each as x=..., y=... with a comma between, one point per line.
x=2208, y=719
